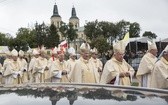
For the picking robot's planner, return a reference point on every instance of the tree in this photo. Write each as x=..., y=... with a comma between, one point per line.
x=92, y=30
x=122, y=28
x=11, y=43
x=32, y=39
x=20, y=44
x=149, y=34
x=3, y=39
x=101, y=44
x=71, y=32
x=41, y=33
x=63, y=29
x=53, y=37
x=25, y=37
x=68, y=31
x=108, y=29
x=134, y=29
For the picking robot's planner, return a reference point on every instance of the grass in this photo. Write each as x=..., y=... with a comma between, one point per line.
x=134, y=84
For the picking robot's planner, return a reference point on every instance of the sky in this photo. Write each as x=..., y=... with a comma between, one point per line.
x=152, y=15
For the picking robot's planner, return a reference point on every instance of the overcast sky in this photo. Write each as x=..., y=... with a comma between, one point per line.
x=152, y=15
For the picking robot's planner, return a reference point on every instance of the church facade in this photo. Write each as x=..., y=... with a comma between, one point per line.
x=56, y=19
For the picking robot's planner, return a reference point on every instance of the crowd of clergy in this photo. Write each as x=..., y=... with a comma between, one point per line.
x=152, y=71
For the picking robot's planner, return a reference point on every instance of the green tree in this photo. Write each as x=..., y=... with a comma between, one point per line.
x=149, y=34
x=68, y=31
x=11, y=43
x=92, y=30
x=20, y=44
x=107, y=29
x=134, y=29
x=52, y=37
x=101, y=44
x=71, y=32
x=63, y=29
x=3, y=39
x=25, y=37
x=32, y=39
x=41, y=33
x=122, y=28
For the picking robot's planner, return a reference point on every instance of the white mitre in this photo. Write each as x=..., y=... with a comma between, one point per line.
x=85, y=47
x=42, y=50
x=119, y=47
x=21, y=53
x=14, y=52
x=151, y=45
x=54, y=51
x=71, y=51
x=94, y=50
x=35, y=52
x=61, y=50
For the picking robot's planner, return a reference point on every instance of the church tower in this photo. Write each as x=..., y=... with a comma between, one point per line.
x=74, y=19
x=56, y=18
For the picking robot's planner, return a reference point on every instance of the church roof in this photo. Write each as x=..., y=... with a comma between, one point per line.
x=55, y=11
x=81, y=29
x=73, y=13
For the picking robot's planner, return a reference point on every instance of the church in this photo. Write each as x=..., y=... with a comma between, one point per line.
x=56, y=19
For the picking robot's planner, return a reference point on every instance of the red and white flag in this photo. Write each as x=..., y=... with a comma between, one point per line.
x=64, y=44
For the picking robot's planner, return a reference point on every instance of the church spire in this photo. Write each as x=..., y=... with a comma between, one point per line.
x=74, y=19
x=56, y=18
x=55, y=11
x=73, y=13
